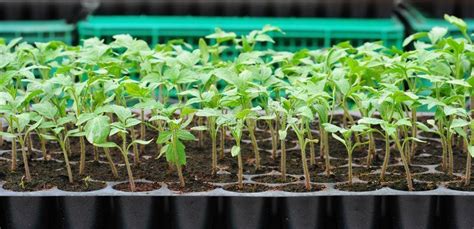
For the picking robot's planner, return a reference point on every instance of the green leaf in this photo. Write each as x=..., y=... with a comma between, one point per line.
x=181, y=152
x=413, y=37
x=403, y=122
x=163, y=137
x=185, y=135
x=423, y=127
x=199, y=128
x=370, y=121
x=163, y=150
x=97, y=129
x=7, y=135
x=84, y=118
x=122, y=113
x=235, y=151
x=142, y=142
x=208, y=112
x=107, y=145
x=437, y=33
x=471, y=150
x=457, y=22
x=457, y=123
x=45, y=109
x=335, y=136
x=132, y=122
x=332, y=128
x=282, y=134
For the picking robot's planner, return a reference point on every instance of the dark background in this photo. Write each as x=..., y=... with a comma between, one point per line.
x=73, y=10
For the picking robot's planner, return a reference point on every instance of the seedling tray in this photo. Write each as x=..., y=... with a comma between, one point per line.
x=108, y=208
x=37, y=31
x=311, y=33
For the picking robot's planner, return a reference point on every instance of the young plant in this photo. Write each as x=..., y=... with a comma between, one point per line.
x=21, y=127
x=56, y=129
x=121, y=127
x=172, y=138
x=345, y=136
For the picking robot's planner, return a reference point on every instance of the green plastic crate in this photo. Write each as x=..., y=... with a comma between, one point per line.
x=311, y=33
x=37, y=31
x=420, y=22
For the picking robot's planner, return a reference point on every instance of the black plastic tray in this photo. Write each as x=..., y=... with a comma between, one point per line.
x=330, y=208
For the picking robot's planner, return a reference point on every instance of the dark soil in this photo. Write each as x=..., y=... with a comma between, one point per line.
x=460, y=186
x=140, y=186
x=356, y=170
x=399, y=169
x=248, y=188
x=301, y=188
x=327, y=179
x=435, y=177
x=191, y=186
x=81, y=186
x=426, y=160
x=274, y=179
x=418, y=186
x=47, y=174
x=359, y=187
x=375, y=177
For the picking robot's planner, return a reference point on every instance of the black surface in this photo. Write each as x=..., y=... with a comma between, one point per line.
x=405, y=211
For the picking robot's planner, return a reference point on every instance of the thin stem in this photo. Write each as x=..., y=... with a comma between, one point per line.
x=414, y=132
x=66, y=159
x=386, y=158
x=371, y=149
x=326, y=154
x=14, y=157
x=312, y=156
x=274, y=139
x=222, y=144
x=25, y=160
x=136, y=155
x=283, y=151
x=111, y=162
x=200, y=133
x=251, y=127
x=350, y=166
x=444, y=162
x=43, y=147
x=450, y=155
x=177, y=164
x=467, y=181
x=241, y=172
x=82, y=160
x=405, y=164
x=305, y=163
x=127, y=163
x=142, y=129
x=213, y=133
